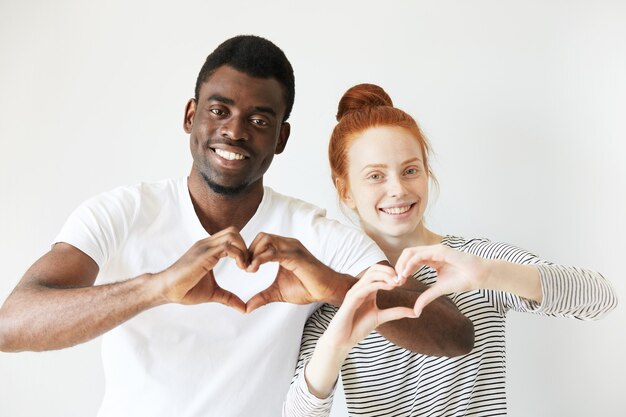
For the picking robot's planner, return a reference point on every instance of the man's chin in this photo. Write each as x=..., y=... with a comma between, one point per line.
x=225, y=190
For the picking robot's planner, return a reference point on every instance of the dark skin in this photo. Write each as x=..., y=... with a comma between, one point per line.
x=236, y=127
x=242, y=115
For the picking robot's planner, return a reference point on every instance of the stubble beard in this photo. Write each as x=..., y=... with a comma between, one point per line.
x=221, y=189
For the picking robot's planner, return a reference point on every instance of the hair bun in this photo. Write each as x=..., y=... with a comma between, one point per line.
x=361, y=96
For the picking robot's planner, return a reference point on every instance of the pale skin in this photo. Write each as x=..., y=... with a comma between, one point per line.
x=387, y=186
x=352, y=323
x=57, y=305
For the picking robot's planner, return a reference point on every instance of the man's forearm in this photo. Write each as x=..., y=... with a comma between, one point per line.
x=37, y=317
x=340, y=287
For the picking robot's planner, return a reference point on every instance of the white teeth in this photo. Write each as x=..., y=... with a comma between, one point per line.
x=396, y=210
x=231, y=156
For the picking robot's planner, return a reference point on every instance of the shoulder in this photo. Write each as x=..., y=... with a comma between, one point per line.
x=293, y=204
x=470, y=245
x=489, y=249
x=124, y=204
x=309, y=213
x=135, y=194
x=301, y=212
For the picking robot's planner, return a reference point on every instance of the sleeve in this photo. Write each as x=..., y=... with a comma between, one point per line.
x=344, y=248
x=567, y=291
x=99, y=225
x=299, y=401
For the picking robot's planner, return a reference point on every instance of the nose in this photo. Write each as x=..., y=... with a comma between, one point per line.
x=395, y=187
x=234, y=128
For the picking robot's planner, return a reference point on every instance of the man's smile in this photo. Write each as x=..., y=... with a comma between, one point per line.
x=229, y=156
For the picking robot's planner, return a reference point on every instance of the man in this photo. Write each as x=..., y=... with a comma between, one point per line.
x=174, y=261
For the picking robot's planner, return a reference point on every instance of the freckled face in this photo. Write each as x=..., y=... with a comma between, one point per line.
x=387, y=181
x=236, y=129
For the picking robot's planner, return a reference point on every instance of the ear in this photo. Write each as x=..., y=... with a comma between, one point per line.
x=190, y=112
x=344, y=193
x=283, y=136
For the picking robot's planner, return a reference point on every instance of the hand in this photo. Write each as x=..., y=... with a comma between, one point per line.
x=456, y=271
x=301, y=278
x=359, y=315
x=190, y=280
x=355, y=319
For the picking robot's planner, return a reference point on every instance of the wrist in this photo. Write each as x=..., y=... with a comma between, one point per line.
x=340, y=285
x=489, y=275
x=333, y=349
x=323, y=369
x=518, y=279
x=153, y=289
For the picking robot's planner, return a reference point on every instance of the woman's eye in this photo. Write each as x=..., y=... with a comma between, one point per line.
x=411, y=171
x=374, y=176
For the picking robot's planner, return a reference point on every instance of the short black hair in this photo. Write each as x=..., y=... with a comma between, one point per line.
x=254, y=56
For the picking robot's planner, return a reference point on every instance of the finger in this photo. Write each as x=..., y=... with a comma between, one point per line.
x=409, y=254
x=263, y=255
x=240, y=250
x=257, y=240
x=261, y=241
x=229, y=299
x=399, y=280
x=262, y=250
x=363, y=286
x=395, y=313
x=231, y=234
x=357, y=295
x=426, y=298
x=268, y=295
x=227, y=249
x=390, y=274
x=227, y=242
x=411, y=259
x=381, y=268
x=377, y=272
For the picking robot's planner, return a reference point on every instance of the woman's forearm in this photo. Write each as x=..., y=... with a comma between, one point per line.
x=323, y=369
x=521, y=280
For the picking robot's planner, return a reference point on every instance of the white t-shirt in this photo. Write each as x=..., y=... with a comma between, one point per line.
x=207, y=359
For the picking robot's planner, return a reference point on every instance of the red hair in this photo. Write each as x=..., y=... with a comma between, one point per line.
x=363, y=107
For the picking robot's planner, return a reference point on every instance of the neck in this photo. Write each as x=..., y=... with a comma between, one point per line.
x=218, y=211
x=393, y=246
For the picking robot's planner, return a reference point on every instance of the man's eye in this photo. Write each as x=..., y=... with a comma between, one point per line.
x=259, y=122
x=218, y=112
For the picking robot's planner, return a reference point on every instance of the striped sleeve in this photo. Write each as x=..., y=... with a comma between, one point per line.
x=573, y=292
x=567, y=291
x=299, y=401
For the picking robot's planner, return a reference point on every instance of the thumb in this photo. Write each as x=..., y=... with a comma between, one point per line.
x=268, y=295
x=229, y=299
x=395, y=313
x=426, y=298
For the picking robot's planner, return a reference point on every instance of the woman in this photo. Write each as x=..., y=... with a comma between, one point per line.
x=379, y=163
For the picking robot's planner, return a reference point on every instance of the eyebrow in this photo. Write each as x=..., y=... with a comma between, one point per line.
x=369, y=166
x=230, y=101
x=221, y=99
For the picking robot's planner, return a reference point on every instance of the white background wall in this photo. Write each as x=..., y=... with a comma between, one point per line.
x=523, y=101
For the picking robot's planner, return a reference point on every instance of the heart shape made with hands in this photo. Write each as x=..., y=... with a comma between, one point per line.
x=244, y=284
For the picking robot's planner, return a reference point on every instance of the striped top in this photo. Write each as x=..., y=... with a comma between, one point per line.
x=382, y=379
